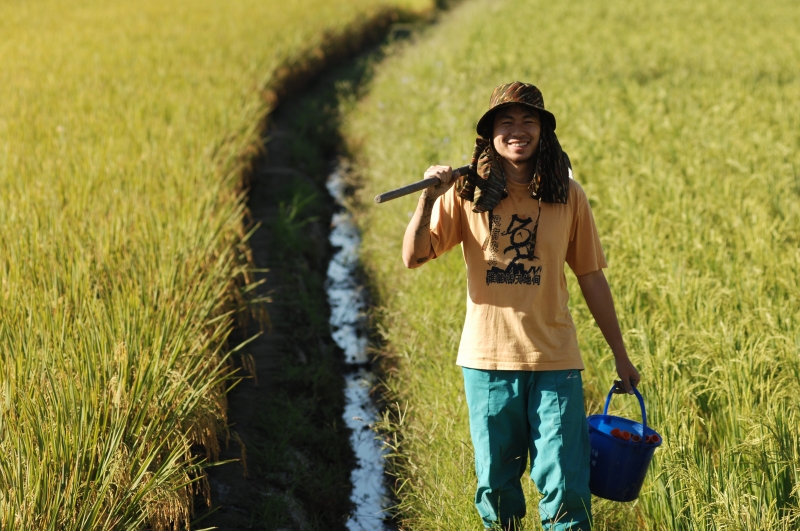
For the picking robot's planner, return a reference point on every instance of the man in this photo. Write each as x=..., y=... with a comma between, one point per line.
x=519, y=217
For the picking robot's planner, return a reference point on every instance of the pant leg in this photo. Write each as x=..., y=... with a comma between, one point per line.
x=499, y=429
x=560, y=450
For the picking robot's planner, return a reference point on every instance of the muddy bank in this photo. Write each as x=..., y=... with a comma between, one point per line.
x=286, y=413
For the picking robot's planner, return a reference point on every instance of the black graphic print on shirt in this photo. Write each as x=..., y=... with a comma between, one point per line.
x=521, y=233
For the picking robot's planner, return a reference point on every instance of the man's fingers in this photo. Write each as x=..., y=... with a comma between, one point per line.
x=444, y=173
x=633, y=381
x=628, y=376
x=625, y=385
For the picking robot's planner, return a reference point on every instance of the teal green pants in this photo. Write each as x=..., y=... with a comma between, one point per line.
x=513, y=413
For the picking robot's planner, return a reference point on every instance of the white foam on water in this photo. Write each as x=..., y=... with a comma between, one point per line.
x=369, y=491
x=348, y=303
x=345, y=295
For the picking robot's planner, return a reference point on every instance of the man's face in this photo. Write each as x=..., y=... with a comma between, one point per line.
x=516, y=133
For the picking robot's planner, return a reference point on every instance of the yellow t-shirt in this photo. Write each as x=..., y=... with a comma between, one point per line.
x=517, y=315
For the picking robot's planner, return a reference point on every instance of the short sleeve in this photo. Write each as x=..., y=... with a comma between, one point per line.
x=584, y=254
x=445, y=223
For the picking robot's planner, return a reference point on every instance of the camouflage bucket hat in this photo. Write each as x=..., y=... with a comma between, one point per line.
x=485, y=183
x=516, y=93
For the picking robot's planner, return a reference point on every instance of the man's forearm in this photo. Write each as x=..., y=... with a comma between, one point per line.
x=598, y=297
x=600, y=302
x=417, y=239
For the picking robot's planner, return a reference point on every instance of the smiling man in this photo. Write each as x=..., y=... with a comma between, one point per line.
x=519, y=217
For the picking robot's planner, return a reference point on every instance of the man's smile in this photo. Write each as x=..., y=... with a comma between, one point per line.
x=519, y=143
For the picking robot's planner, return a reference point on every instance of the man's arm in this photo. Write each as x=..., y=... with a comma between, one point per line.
x=598, y=297
x=417, y=240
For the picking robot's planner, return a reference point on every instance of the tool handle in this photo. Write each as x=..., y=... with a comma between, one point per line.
x=417, y=186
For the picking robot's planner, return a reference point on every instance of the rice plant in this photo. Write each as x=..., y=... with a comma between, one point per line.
x=125, y=132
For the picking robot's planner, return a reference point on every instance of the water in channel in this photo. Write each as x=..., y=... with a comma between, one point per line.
x=348, y=303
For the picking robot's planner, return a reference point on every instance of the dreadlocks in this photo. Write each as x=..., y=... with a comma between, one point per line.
x=485, y=183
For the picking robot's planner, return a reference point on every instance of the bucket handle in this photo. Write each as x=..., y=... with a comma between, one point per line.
x=641, y=405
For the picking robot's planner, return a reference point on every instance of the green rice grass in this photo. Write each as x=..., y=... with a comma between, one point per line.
x=125, y=129
x=682, y=123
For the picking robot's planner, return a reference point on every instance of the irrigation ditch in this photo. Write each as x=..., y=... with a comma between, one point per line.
x=301, y=455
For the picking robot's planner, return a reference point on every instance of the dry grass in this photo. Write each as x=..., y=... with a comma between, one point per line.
x=125, y=129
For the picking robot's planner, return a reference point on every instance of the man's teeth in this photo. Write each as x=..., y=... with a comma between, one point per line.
x=519, y=144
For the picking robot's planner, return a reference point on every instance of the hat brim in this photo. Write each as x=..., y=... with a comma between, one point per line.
x=486, y=123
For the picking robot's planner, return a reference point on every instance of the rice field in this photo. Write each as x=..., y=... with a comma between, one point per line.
x=682, y=123
x=125, y=132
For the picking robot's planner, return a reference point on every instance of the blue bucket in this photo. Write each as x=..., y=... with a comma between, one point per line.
x=618, y=466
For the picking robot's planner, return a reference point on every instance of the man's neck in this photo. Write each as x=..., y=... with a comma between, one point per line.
x=520, y=173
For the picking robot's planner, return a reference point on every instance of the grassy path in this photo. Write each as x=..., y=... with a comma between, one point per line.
x=682, y=125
